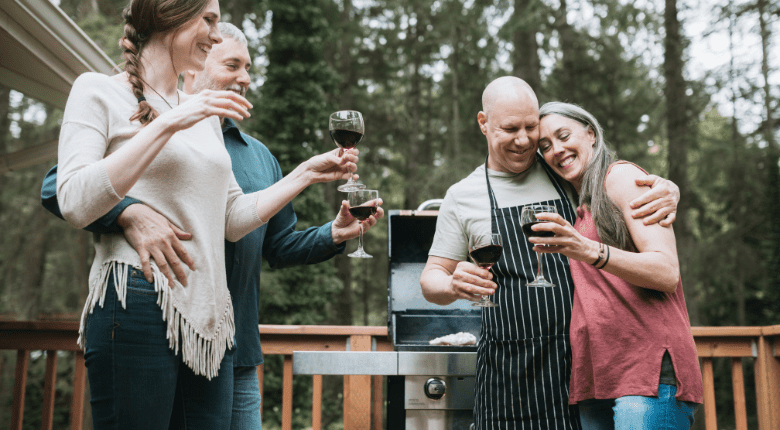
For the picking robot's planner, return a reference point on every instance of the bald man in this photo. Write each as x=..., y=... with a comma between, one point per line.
x=523, y=354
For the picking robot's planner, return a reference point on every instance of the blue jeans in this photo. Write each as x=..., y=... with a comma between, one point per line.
x=246, y=399
x=136, y=381
x=639, y=412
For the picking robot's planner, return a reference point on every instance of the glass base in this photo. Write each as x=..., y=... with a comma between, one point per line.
x=540, y=282
x=485, y=303
x=360, y=254
x=351, y=186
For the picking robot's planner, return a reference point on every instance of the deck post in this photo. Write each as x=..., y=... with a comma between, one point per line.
x=768, y=379
x=49, y=389
x=357, y=391
x=20, y=387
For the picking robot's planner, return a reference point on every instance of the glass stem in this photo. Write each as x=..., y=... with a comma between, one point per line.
x=539, y=274
x=360, y=238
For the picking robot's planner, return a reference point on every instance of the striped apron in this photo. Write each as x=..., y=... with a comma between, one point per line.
x=524, y=355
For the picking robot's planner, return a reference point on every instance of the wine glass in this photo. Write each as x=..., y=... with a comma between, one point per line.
x=362, y=204
x=484, y=251
x=527, y=220
x=346, y=130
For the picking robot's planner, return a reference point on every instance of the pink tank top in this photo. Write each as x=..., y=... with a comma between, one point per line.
x=619, y=333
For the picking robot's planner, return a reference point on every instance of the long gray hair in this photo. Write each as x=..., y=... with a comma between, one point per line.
x=610, y=224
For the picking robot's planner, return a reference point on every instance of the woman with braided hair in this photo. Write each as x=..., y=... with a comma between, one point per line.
x=158, y=351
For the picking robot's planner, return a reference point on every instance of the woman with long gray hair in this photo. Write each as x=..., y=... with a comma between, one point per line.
x=634, y=362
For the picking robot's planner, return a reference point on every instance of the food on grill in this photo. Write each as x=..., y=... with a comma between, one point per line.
x=457, y=339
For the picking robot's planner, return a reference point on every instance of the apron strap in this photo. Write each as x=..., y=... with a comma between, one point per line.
x=553, y=178
x=556, y=181
x=493, y=202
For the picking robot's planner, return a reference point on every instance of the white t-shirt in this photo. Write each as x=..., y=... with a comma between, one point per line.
x=466, y=207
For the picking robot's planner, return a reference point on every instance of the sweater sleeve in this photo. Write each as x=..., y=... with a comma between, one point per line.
x=241, y=215
x=84, y=189
x=285, y=247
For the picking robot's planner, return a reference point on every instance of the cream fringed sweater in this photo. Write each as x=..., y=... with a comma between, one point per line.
x=190, y=182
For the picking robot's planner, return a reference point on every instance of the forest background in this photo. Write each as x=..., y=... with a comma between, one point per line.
x=416, y=69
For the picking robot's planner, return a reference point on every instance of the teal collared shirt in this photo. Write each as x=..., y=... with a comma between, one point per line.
x=255, y=168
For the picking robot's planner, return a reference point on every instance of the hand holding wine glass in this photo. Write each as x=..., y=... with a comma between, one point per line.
x=330, y=166
x=485, y=251
x=346, y=129
x=362, y=205
x=527, y=220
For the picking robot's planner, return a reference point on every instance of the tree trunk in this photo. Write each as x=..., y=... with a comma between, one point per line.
x=238, y=8
x=5, y=126
x=739, y=288
x=455, y=126
x=773, y=152
x=525, y=58
x=343, y=264
x=679, y=135
x=34, y=265
x=567, y=52
x=411, y=196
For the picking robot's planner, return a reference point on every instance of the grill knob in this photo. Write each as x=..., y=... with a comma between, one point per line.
x=435, y=388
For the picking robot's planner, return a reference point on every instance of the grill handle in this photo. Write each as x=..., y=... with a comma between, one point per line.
x=429, y=203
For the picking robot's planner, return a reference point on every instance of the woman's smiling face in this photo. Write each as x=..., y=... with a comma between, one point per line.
x=192, y=42
x=567, y=147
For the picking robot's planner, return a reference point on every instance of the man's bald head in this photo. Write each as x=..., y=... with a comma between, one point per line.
x=510, y=122
x=507, y=88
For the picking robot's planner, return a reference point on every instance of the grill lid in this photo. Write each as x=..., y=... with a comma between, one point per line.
x=412, y=320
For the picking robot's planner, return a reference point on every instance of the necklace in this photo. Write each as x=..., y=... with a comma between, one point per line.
x=163, y=98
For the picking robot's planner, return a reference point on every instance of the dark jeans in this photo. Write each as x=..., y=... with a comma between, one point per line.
x=246, y=399
x=136, y=380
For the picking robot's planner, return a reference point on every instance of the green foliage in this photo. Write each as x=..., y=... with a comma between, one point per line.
x=295, y=110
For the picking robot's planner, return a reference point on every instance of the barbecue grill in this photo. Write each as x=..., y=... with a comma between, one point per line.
x=429, y=387
x=444, y=397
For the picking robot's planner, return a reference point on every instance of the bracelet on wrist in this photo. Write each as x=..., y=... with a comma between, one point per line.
x=605, y=260
x=601, y=256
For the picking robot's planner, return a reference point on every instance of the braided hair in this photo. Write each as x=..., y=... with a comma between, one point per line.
x=144, y=18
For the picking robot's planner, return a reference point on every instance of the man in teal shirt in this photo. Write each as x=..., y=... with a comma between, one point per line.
x=255, y=168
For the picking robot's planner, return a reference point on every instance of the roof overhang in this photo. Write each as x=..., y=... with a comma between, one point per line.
x=42, y=51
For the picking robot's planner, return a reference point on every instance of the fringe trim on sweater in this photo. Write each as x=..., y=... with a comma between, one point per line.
x=201, y=355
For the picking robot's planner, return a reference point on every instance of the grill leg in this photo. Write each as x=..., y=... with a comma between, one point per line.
x=396, y=414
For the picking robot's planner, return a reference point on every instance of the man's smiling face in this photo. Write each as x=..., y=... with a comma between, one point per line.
x=512, y=130
x=227, y=68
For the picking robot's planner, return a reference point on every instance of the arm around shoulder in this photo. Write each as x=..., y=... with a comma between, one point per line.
x=655, y=265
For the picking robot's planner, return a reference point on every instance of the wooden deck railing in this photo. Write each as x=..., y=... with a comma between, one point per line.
x=363, y=394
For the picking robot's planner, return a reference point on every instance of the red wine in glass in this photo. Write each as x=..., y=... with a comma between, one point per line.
x=531, y=233
x=346, y=129
x=527, y=220
x=362, y=204
x=485, y=251
x=346, y=139
x=362, y=212
x=486, y=256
